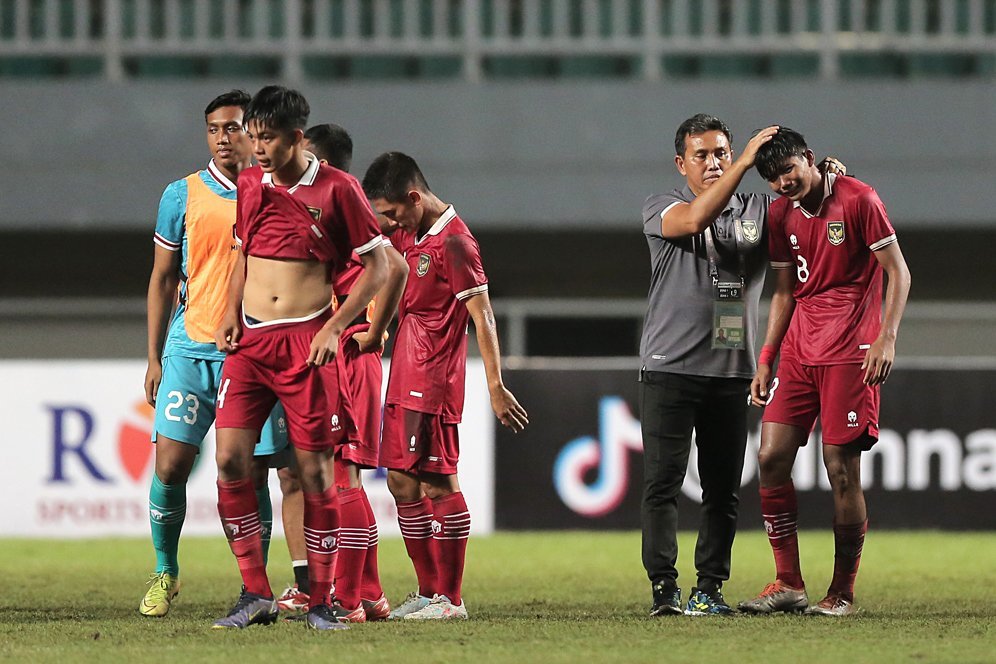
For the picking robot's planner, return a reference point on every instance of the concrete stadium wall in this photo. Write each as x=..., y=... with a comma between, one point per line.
x=539, y=154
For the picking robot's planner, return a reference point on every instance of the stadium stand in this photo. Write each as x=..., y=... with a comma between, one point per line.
x=498, y=39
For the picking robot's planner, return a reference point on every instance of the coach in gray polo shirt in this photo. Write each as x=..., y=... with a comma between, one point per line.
x=707, y=252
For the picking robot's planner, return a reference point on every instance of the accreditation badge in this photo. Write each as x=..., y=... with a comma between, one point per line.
x=728, y=324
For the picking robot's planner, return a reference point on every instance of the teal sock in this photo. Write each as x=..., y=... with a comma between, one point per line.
x=265, y=519
x=167, y=509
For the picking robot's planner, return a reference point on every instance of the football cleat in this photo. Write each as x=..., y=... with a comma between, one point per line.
x=667, y=600
x=322, y=618
x=378, y=609
x=293, y=599
x=357, y=615
x=832, y=605
x=439, y=608
x=701, y=603
x=414, y=602
x=777, y=597
x=251, y=609
x=156, y=603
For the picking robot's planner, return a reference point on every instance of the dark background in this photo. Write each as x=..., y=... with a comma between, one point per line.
x=960, y=401
x=946, y=265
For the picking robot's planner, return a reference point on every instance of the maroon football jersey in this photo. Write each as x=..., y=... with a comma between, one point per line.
x=429, y=362
x=349, y=272
x=324, y=217
x=838, y=290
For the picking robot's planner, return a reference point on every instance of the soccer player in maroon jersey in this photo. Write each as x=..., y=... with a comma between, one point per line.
x=830, y=241
x=425, y=390
x=297, y=219
x=358, y=593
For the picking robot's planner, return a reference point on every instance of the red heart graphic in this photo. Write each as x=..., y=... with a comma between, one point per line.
x=135, y=450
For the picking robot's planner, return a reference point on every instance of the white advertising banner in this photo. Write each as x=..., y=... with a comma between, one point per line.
x=77, y=444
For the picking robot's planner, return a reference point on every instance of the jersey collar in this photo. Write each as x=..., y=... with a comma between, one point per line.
x=220, y=177
x=307, y=179
x=446, y=217
x=828, y=181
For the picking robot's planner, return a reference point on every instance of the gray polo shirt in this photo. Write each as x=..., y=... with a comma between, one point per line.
x=677, y=330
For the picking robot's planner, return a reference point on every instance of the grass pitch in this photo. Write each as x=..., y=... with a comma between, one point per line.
x=532, y=597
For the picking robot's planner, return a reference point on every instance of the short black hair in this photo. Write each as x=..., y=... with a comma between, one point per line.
x=785, y=144
x=699, y=124
x=239, y=98
x=331, y=143
x=278, y=108
x=391, y=176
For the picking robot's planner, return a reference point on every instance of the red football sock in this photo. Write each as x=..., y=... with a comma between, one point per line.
x=353, y=536
x=321, y=536
x=415, y=520
x=780, y=511
x=849, y=540
x=370, y=588
x=451, y=513
x=239, y=513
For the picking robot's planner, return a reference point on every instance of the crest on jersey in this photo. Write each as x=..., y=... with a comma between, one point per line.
x=316, y=213
x=748, y=227
x=835, y=232
x=423, y=265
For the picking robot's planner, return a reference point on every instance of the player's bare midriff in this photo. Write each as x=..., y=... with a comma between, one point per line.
x=285, y=288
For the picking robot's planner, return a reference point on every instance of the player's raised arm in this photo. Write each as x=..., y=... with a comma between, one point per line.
x=721, y=181
x=878, y=360
x=160, y=300
x=503, y=402
x=226, y=337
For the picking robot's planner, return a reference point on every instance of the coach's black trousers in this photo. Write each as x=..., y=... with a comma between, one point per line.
x=671, y=407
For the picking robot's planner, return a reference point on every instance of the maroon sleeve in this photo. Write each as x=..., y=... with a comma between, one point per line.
x=362, y=231
x=464, y=269
x=244, y=198
x=873, y=220
x=779, y=252
x=397, y=239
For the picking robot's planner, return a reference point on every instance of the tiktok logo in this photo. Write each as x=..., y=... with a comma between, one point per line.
x=619, y=432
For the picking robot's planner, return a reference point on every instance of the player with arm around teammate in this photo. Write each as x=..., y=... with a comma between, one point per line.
x=706, y=246
x=425, y=390
x=830, y=243
x=194, y=250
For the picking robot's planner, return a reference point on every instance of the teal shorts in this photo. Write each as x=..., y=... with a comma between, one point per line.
x=185, y=405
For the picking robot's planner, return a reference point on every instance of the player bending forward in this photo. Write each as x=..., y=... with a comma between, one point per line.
x=836, y=350
x=425, y=389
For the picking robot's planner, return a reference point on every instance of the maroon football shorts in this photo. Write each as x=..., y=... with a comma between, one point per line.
x=270, y=364
x=360, y=377
x=418, y=442
x=847, y=408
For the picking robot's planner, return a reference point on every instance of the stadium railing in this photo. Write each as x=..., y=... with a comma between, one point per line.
x=477, y=39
